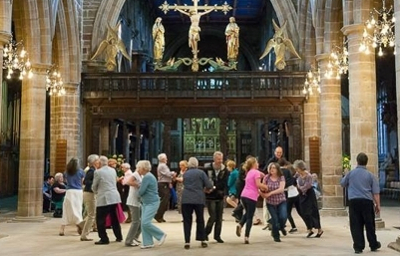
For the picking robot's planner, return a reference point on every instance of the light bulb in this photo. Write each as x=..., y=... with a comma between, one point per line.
x=373, y=21
x=304, y=91
x=367, y=51
x=380, y=53
x=30, y=74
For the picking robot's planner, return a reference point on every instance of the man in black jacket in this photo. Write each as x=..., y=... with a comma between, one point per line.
x=218, y=175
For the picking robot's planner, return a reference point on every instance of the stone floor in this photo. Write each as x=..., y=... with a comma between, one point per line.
x=43, y=239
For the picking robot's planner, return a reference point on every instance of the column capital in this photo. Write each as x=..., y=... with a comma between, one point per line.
x=350, y=29
x=322, y=57
x=40, y=68
x=4, y=37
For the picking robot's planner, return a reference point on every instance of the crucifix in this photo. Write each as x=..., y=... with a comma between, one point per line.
x=193, y=13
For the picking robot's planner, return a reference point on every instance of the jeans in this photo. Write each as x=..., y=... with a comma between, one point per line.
x=215, y=209
x=361, y=213
x=250, y=207
x=149, y=230
x=187, y=211
x=278, y=216
x=290, y=202
x=134, y=230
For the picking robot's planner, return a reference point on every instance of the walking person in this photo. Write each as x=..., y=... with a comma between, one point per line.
x=307, y=200
x=165, y=177
x=276, y=199
x=183, y=166
x=133, y=180
x=89, y=198
x=150, y=203
x=105, y=188
x=72, y=205
x=195, y=182
x=218, y=175
x=364, y=203
x=249, y=196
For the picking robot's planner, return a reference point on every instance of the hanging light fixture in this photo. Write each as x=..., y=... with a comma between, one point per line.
x=54, y=83
x=15, y=58
x=313, y=79
x=382, y=31
x=338, y=62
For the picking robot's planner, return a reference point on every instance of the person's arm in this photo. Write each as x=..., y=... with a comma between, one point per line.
x=307, y=184
x=206, y=182
x=260, y=185
x=204, y=13
x=126, y=178
x=377, y=200
x=131, y=181
x=232, y=179
x=59, y=190
x=144, y=185
x=280, y=189
x=165, y=171
x=96, y=180
x=375, y=192
x=344, y=182
x=181, y=11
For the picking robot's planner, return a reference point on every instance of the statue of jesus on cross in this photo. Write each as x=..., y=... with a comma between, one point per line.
x=193, y=13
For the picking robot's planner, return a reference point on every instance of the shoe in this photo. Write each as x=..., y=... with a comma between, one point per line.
x=128, y=220
x=206, y=238
x=163, y=220
x=61, y=232
x=238, y=230
x=118, y=240
x=265, y=228
x=378, y=245
x=131, y=245
x=284, y=232
x=246, y=240
x=79, y=229
x=102, y=242
x=203, y=244
x=358, y=251
x=219, y=240
x=187, y=246
x=277, y=239
x=234, y=215
x=86, y=239
x=147, y=246
x=137, y=241
x=159, y=220
x=257, y=222
x=94, y=229
x=310, y=234
x=293, y=230
x=162, y=240
x=319, y=234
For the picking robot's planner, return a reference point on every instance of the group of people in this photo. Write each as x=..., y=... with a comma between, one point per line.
x=280, y=184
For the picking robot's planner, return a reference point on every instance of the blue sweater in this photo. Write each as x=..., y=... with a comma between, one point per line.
x=148, y=190
x=361, y=184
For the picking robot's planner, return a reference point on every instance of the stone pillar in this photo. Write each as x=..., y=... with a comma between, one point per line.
x=125, y=142
x=362, y=96
x=312, y=124
x=296, y=136
x=4, y=38
x=151, y=141
x=105, y=138
x=96, y=127
x=331, y=143
x=137, y=144
x=396, y=245
x=32, y=143
x=113, y=136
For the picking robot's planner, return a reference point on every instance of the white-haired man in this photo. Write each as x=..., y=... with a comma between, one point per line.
x=105, y=187
x=165, y=177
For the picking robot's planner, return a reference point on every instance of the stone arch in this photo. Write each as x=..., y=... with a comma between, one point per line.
x=245, y=47
x=333, y=24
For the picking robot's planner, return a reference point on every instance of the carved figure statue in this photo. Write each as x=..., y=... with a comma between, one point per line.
x=194, y=30
x=232, y=39
x=159, y=40
x=111, y=46
x=280, y=44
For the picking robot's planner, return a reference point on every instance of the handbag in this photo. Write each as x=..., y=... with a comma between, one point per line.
x=292, y=191
x=120, y=215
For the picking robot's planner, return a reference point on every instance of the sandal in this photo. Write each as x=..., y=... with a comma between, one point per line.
x=319, y=234
x=257, y=222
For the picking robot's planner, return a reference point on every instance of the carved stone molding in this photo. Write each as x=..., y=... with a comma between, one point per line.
x=40, y=68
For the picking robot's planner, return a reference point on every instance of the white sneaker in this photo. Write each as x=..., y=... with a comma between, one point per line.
x=136, y=241
x=162, y=240
x=147, y=246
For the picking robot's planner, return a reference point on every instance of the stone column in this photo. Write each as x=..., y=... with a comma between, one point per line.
x=137, y=144
x=312, y=124
x=362, y=101
x=125, y=142
x=223, y=136
x=32, y=143
x=396, y=245
x=331, y=143
x=4, y=38
x=96, y=128
x=296, y=136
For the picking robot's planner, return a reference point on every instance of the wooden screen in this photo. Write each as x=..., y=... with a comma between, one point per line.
x=61, y=155
x=314, y=155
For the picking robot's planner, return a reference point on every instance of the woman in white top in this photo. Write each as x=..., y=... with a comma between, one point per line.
x=133, y=202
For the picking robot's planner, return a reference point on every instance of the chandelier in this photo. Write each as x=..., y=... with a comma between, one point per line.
x=338, y=62
x=16, y=58
x=382, y=28
x=54, y=83
x=313, y=78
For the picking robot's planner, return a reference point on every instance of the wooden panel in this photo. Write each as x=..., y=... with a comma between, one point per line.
x=314, y=154
x=61, y=155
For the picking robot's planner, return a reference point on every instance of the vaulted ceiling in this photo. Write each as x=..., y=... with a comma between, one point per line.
x=245, y=11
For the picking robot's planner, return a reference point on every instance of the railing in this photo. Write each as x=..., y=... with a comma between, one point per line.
x=193, y=85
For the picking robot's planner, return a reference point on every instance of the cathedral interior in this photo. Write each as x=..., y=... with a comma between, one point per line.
x=305, y=75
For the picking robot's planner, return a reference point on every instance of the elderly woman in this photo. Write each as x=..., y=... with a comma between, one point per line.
x=148, y=192
x=58, y=193
x=193, y=199
x=72, y=206
x=183, y=166
x=308, y=201
x=89, y=199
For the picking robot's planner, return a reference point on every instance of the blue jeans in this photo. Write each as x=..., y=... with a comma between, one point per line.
x=278, y=217
x=149, y=230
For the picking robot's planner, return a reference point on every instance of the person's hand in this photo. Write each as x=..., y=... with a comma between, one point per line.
x=377, y=209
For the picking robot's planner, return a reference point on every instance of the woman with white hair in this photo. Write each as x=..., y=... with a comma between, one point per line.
x=148, y=192
x=193, y=199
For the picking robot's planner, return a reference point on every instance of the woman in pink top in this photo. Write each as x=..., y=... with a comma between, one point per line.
x=276, y=199
x=249, y=195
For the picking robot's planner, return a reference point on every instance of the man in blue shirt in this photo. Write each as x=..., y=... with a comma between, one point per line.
x=364, y=203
